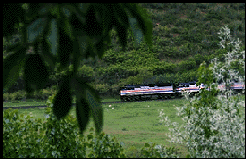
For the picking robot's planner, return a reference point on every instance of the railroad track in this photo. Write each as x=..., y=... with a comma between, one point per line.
x=44, y=106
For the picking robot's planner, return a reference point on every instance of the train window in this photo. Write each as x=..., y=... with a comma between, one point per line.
x=144, y=86
x=184, y=85
x=164, y=84
x=151, y=85
x=130, y=88
x=192, y=83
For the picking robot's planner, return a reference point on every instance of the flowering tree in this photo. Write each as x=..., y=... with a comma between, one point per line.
x=214, y=125
x=227, y=71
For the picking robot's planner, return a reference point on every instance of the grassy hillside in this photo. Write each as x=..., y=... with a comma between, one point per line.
x=184, y=35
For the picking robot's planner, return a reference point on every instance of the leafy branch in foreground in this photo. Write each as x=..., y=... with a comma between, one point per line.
x=68, y=33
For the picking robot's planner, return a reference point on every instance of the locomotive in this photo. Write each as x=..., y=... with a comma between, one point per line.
x=142, y=92
x=168, y=91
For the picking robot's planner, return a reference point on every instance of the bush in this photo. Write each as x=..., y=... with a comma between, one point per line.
x=46, y=93
x=21, y=94
x=158, y=151
x=5, y=97
x=214, y=125
x=24, y=137
x=42, y=94
x=115, y=89
x=187, y=65
x=13, y=96
x=102, y=88
x=38, y=94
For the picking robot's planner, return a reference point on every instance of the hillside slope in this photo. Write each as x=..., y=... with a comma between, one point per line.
x=184, y=35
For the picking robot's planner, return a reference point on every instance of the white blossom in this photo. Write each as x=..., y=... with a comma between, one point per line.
x=227, y=126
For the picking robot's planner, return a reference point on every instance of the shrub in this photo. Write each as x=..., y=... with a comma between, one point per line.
x=20, y=136
x=21, y=94
x=16, y=96
x=158, y=151
x=13, y=96
x=38, y=94
x=115, y=89
x=24, y=136
x=214, y=126
x=5, y=97
x=100, y=146
x=102, y=88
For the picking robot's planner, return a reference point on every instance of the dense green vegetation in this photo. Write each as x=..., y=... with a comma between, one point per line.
x=184, y=35
x=212, y=126
x=31, y=102
x=52, y=137
x=133, y=124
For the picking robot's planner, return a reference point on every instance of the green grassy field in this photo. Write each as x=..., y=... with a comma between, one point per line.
x=36, y=103
x=133, y=123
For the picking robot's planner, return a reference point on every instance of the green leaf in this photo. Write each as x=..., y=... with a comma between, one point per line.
x=53, y=36
x=144, y=23
x=13, y=13
x=76, y=8
x=77, y=22
x=82, y=112
x=92, y=27
x=35, y=30
x=89, y=48
x=47, y=55
x=12, y=65
x=89, y=103
x=136, y=31
x=146, y=145
x=13, y=48
x=89, y=136
x=63, y=99
x=35, y=73
x=122, y=15
x=96, y=109
x=68, y=28
x=122, y=33
x=91, y=129
x=34, y=9
x=108, y=19
x=100, y=47
x=147, y=27
x=120, y=28
x=65, y=47
x=50, y=39
x=82, y=46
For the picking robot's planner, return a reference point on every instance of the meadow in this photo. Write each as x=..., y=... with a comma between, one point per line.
x=39, y=102
x=133, y=123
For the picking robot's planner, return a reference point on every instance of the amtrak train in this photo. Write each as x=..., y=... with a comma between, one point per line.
x=168, y=91
x=142, y=92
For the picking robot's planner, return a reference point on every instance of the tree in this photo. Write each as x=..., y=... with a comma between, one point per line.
x=65, y=32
